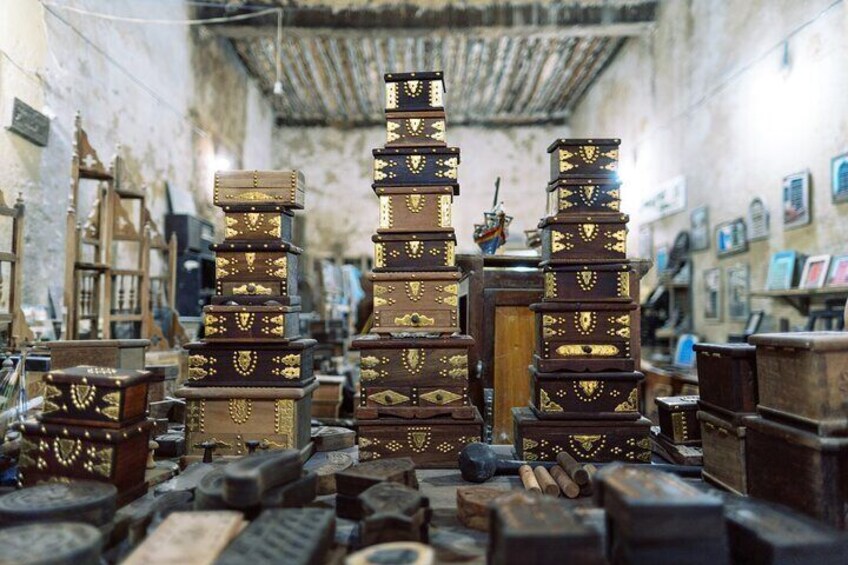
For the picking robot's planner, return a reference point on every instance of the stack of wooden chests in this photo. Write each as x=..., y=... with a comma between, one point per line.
x=414, y=398
x=584, y=392
x=251, y=379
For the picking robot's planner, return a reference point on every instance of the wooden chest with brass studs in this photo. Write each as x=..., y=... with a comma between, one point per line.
x=255, y=191
x=617, y=282
x=586, y=440
x=404, y=362
x=250, y=364
x=678, y=419
x=416, y=302
x=584, y=158
x=582, y=396
x=278, y=417
x=415, y=129
x=579, y=337
x=407, y=92
x=415, y=166
x=434, y=442
x=117, y=353
x=251, y=323
x=414, y=252
x=95, y=396
x=256, y=269
x=258, y=226
x=56, y=452
x=416, y=208
x=579, y=238
x=583, y=196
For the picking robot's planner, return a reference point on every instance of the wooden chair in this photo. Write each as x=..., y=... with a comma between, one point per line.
x=12, y=320
x=163, y=291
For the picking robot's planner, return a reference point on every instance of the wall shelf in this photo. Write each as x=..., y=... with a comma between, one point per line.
x=800, y=298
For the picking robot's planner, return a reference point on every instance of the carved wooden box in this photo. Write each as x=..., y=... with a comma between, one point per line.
x=414, y=91
x=727, y=376
x=251, y=323
x=415, y=129
x=415, y=166
x=250, y=365
x=575, y=238
x=584, y=158
x=579, y=337
x=416, y=209
x=258, y=269
x=55, y=452
x=415, y=302
x=95, y=396
x=278, y=417
x=581, y=396
x=678, y=420
x=586, y=440
x=583, y=196
x=254, y=191
x=723, y=446
x=117, y=353
x=414, y=252
x=616, y=282
x=430, y=443
x=441, y=362
x=801, y=379
x=258, y=226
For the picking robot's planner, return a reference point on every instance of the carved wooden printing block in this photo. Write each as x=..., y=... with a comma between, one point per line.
x=394, y=512
x=678, y=421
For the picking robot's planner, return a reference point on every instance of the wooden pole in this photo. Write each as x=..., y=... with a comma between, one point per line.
x=569, y=488
x=549, y=486
x=574, y=469
x=528, y=478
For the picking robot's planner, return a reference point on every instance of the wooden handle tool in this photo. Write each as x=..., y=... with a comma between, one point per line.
x=569, y=488
x=546, y=481
x=575, y=470
x=529, y=479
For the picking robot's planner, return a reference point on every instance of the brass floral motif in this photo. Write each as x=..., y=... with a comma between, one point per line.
x=252, y=290
x=440, y=397
x=589, y=153
x=631, y=404
x=244, y=362
x=586, y=280
x=99, y=461
x=550, y=285
x=284, y=419
x=587, y=442
x=253, y=195
x=413, y=360
x=391, y=131
x=438, y=128
x=419, y=438
x=415, y=320
x=414, y=249
x=385, y=212
x=589, y=194
x=588, y=390
x=451, y=165
x=220, y=264
x=413, y=88
x=244, y=320
x=66, y=450
x=240, y=410
x=51, y=392
x=588, y=232
x=548, y=405
x=435, y=94
x=379, y=255
x=561, y=241
x=388, y=398
x=445, y=201
x=391, y=95
x=370, y=361
x=624, y=284
x=415, y=202
x=112, y=408
x=414, y=290
x=600, y=350
x=416, y=163
x=414, y=126
x=586, y=322
x=250, y=259
x=82, y=395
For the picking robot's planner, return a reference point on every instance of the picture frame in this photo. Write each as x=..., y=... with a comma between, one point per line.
x=838, y=273
x=839, y=178
x=755, y=320
x=738, y=292
x=781, y=271
x=796, y=200
x=712, y=295
x=700, y=229
x=759, y=220
x=731, y=238
x=815, y=271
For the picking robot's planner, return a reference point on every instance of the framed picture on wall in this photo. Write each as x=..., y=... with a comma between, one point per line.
x=838, y=275
x=781, y=271
x=815, y=271
x=700, y=232
x=712, y=295
x=796, y=200
x=731, y=238
x=738, y=292
x=758, y=220
x=839, y=178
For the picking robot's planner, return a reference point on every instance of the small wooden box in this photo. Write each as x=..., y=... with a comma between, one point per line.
x=413, y=362
x=727, y=375
x=586, y=440
x=416, y=302
x=583, y=196
x=415, y=166
x=584, y=158
x=264, y=269
x=95, y=396
x=585, y=239
x=251, y=323
x=250, y=365
x=414, y=91
x=723, y=447
x=258, y=226
x=616, y=282
x=678, y=420
x=585, y=396
x=278, y=417
x=432, y=443
x=415, y=129
x=798, y=468
x=115, y=353
x=259, y=191
x=163, y=381
x=416, y=209
x=801, y=378
x=434, y=251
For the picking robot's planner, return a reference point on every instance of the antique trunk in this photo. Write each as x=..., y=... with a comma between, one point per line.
x=416, y=209
x=415, y=129
x=798, y=468
x=584, y=158
x=801, y=379
x=414, y=252
x=56, y=452
x=723, y=446
x=414, y=402
x=229, y=416
x=251, y=324
x=579, y=337
x=617, y=282
x=678, y=420
x=259, y=191
x=258, y=226
x=407, y=92
x=586, y=440
x=579, y=238
x=95, y=396
x=581, y=396
x=116, y=353
x=415, y=166
x=433, y=443
x=413, y=361
x=583, y=196
x=267, y=269
x=250, y=365
x=415, y=302
x=727, y=375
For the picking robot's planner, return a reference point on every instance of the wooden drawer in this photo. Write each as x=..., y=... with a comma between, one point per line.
x=251, y=323
x=259, y=269
x=584, y=158
x=414, y=252
x=415, y=209
x=583, y=196
x=414, y=166
x=415, y=129
x=250, y=365
x=254, y=191
x=723, y=446
x=580, y=396
x=569, y=239
x=591, y=283
x=415, y=302
x=395, y=362
x=258, y=226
